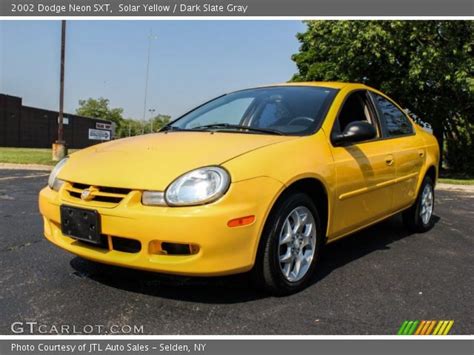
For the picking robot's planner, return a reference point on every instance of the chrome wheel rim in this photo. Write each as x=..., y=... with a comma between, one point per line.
x=297, y=244
x=426, y=209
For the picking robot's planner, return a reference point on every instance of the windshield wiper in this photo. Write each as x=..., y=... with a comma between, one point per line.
x=218, y=126
x=172, y=128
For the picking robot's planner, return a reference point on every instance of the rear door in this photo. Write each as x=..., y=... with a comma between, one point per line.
x=409, y=153
x=365, y=171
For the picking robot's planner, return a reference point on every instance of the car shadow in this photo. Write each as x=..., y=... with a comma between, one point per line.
x=238, y=288
x=362, y=243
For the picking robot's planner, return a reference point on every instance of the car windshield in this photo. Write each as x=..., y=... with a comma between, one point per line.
x=290, y=110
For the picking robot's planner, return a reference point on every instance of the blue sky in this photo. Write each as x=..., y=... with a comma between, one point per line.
x=191, y=61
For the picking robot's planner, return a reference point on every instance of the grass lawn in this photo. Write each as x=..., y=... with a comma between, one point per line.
x=456, y=181
x=448, y=177
x=26, y=156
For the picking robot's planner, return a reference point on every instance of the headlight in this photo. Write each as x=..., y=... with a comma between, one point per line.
x=198, y=187
x=53, y=182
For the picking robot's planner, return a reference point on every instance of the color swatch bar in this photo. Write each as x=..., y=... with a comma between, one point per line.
x=425, y=327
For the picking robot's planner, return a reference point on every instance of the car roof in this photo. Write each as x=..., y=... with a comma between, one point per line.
x=337, y=85
x=328, y=84
x=325, y=84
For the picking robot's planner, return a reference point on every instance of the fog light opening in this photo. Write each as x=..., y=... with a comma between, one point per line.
x=168, y=248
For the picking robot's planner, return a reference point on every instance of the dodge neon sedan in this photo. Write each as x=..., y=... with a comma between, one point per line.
x=256, y=180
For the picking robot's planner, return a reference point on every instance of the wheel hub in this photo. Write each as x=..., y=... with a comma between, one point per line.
x=297, y=243
x=426, y=207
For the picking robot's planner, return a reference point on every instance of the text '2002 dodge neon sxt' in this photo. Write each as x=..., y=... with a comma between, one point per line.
x=256, y=181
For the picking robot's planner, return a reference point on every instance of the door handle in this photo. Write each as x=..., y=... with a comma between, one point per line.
x=389, y=160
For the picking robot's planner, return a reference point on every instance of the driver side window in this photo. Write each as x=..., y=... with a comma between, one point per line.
x=355, y=108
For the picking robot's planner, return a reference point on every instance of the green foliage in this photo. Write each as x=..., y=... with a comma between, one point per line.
x=426, y=66
x=159, y=121
x=99, y=108
x=131, y=127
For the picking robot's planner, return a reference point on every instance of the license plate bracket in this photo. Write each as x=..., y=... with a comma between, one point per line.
x=82, y=224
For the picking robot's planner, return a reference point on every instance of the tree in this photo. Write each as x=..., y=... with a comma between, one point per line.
x=426, y=66
x=99, y=108
x=131, y=127
x=159, y=121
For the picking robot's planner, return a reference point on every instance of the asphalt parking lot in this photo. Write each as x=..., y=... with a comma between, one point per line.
x=367, y=283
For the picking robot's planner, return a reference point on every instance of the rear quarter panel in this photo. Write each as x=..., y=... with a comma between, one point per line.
x=432, y=152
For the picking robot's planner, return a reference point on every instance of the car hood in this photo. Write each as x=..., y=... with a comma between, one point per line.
x=153, y=161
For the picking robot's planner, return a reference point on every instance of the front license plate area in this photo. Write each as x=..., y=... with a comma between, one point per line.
x=82, y=224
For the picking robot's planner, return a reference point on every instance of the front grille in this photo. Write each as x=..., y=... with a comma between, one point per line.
x=125, y=245
x=102, y=194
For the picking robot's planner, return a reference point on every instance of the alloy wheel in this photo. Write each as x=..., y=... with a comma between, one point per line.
x=426, y=209
x=297, y=243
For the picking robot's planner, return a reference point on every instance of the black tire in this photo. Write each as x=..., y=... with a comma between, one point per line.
x=412, y=218
x=267, y=273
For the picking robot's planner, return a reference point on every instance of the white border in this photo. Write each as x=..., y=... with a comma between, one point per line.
x=231, y=337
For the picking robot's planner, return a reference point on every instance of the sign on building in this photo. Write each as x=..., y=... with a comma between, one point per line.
x=99, y=134
x=100, y=125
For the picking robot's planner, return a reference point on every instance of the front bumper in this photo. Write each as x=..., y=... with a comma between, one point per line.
x=221, y=249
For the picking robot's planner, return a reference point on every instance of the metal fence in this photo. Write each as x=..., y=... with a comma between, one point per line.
x=23, y=126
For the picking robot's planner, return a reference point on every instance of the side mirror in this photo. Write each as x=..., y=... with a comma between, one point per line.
x=356, y=131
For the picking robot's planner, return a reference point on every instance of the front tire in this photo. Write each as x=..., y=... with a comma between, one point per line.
x=290, y=245
x=419, y=217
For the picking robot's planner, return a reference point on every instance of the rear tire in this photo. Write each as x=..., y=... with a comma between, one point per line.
x=419, y=217
x=290, y=246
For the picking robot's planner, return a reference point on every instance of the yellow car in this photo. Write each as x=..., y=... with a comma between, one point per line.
x=256, y=180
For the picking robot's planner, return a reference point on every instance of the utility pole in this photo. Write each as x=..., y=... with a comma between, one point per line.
x=150, y=38
x=59, y=147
